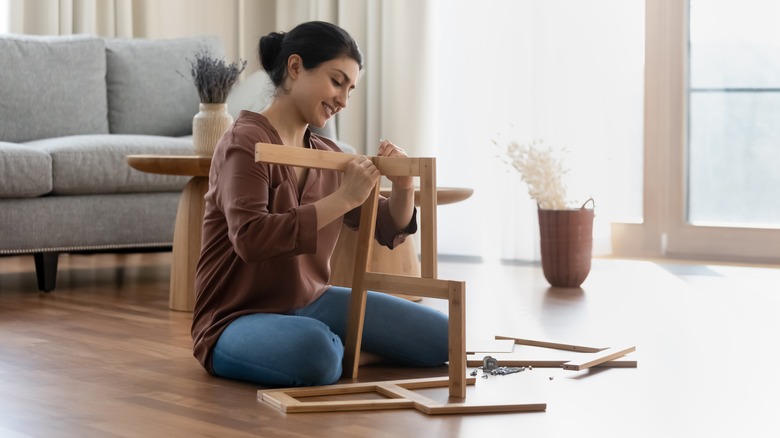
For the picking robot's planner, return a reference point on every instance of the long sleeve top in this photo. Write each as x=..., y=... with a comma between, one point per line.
x=261, y=251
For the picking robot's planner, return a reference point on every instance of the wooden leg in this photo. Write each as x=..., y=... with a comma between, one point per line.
x=357, y=305
x=46, y=270
x=457, y=339
x=186, y=244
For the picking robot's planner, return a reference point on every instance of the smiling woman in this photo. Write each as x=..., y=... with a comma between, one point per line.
x=264, y=309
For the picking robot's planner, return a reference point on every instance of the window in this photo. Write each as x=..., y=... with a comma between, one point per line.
x=711, y=137
x=733, y=129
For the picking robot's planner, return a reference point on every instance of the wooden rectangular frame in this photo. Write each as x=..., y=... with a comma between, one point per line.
x=427, y=285
x=399, y=395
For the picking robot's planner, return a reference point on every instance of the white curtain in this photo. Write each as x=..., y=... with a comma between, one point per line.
x=443, y=79
x=567, y=72
x=390, y=101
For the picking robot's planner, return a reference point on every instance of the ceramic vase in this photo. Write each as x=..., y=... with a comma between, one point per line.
x=567, y=245
x=208, y=126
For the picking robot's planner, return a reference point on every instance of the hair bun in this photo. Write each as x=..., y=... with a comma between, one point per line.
x=270, y=46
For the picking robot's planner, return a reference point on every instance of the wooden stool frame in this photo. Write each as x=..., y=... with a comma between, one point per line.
x=427, y=285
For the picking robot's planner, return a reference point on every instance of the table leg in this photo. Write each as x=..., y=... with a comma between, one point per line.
x=186, y=244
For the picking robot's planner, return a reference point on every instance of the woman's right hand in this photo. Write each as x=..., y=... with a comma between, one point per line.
x=360, y=176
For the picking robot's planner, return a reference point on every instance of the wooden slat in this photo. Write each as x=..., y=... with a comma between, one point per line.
x=553, y=345
x=389, y=389
x=349, y=405
x=361, y=387
x=435, y=382
x=395, y=283
x=598, y=358
x=315, y=391
x=550, y=363
x=328, y=160
x=455, y=408
x=301, y=157
x=432, y=407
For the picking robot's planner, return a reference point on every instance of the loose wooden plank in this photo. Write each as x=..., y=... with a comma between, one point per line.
x=551, y=363
x=553, y=345
x=598, y=358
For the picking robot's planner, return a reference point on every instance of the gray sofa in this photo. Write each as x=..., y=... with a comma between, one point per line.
x=71, y=110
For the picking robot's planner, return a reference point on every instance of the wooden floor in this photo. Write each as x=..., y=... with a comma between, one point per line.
x=103, y=356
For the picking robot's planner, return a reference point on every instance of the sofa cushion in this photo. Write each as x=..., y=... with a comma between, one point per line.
x=25, y=171
x=150, y=88
x=52, y=86
x=88, y=222
x=92, y=164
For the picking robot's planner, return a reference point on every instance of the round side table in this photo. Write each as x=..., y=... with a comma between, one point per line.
x=189, y=219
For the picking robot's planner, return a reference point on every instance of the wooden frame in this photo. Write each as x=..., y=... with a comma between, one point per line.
x=399, y=395
x=427, y=285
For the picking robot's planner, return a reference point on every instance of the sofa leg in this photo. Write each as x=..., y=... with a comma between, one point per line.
x=46, y=270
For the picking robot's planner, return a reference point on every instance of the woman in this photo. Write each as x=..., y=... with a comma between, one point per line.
x=264, y=309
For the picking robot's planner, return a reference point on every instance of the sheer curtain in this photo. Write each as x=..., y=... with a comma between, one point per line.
x=567, y=72
x=445, y=79
x=391, y=100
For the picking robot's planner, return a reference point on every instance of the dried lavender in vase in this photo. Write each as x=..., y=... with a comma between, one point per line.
x=214, y=77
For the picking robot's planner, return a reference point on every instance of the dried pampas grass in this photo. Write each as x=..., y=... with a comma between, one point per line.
x=542, y=170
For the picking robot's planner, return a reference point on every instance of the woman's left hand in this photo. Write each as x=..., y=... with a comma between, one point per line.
x=388, y=149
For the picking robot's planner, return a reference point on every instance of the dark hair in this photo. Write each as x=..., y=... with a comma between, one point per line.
x=315, y=42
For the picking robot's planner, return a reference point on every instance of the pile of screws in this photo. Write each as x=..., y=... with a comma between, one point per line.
x=490, y=367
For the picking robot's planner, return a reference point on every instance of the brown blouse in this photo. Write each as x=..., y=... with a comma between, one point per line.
x=261, y=251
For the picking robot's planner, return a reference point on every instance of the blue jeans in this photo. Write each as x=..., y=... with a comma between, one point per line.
x=306, y=347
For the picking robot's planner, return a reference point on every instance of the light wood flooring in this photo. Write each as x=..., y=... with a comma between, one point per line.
x=102, y=356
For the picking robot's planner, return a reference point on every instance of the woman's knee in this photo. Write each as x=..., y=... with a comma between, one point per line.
x=290, y=351
x=318, y=358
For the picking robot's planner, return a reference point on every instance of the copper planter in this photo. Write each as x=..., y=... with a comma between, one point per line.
x=567, y=245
